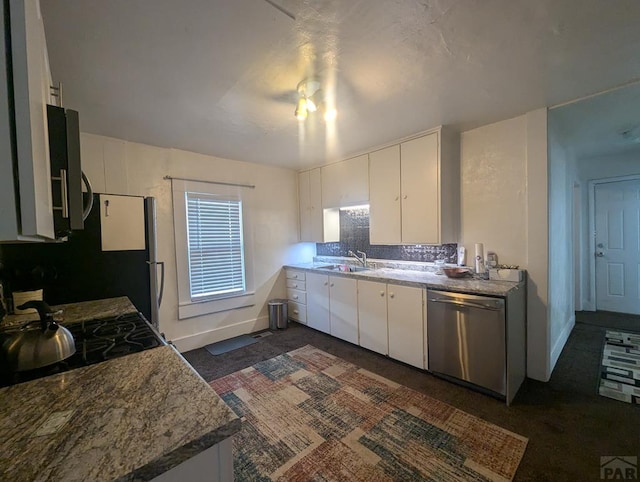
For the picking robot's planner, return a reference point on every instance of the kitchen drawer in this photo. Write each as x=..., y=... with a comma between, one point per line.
x=296, y=285
x=295, y=274
x=298, y=312
x=297, y=295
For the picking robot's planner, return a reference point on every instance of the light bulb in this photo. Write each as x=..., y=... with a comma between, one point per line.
x=330, y=115
x=314, y=101
x=301, y=109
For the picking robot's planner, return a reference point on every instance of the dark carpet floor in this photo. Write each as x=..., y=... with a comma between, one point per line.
x=568, y=424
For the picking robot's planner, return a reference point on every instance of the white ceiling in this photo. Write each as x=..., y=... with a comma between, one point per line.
x=606, y=124
x=219, y=76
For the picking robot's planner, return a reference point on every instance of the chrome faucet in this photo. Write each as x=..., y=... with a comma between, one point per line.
x=363, y=260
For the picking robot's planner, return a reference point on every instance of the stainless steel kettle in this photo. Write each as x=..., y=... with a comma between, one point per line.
x=36, y=347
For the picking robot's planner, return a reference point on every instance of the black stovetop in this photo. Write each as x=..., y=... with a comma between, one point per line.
x=96, y=340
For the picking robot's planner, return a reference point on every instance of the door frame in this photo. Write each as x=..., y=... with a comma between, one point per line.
x=590, y=304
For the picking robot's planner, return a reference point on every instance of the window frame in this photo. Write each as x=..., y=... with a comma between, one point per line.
x=189, y=307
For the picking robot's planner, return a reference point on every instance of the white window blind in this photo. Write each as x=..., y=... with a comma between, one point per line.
x=215, y=244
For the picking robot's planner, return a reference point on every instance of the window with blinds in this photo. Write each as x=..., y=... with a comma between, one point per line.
x=215, y=246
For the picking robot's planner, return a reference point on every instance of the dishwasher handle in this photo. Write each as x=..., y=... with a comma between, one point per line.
x=466, y=304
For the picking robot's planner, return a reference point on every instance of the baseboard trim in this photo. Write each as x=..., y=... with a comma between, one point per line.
x=562, y=340
x=191, y=342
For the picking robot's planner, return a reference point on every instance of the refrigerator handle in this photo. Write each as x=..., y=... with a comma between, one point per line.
x=161, y=263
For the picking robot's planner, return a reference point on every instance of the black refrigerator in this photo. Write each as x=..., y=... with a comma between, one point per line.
x=80, y=270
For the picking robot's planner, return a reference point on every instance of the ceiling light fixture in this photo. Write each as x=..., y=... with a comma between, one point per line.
x=311, y=99
x=301, y=109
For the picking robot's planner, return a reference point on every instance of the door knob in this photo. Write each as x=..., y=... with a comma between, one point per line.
x=600, y=254
x=391, y=295
x=600, y=245
x=382, y=293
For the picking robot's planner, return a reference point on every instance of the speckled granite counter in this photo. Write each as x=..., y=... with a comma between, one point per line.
x=420, y=279
x=131, y=418
x=73, y=312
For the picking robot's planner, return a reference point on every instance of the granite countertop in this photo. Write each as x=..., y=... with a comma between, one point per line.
x=420, y=279
x=131, y=418
x=74, y=312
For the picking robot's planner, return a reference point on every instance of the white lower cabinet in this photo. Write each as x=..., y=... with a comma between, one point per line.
x=318, y=302
x=391, y=321
x=385, y=318
x=215, y=464
x=297, y=295
x=372, y=316
x=405, y=316
x=343, y=308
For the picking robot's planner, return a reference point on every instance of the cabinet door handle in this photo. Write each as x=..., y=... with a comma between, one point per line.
x=405, y=197
x=295, y=312
x=331, y=284
x=397, y=197
x=391, y=295
x=295, y=297
x=64, y=195
x=64, y=186
x=382, y=293
x=295, y=285
x=326, y=283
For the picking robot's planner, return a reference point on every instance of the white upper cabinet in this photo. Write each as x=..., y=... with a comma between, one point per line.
x=31, y=88
x=384, y=196
x=346, y=183
x=309, y=195
x=414, y=191
x=304, y=204
x=316, y=225
x=420, y=189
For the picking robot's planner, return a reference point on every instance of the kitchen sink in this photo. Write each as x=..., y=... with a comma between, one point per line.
x=341, y=267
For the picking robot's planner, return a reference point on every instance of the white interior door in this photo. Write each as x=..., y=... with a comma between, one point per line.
x=617, y=241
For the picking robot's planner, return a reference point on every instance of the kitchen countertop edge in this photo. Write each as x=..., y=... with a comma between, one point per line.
x=181, y=454
x=420, y=279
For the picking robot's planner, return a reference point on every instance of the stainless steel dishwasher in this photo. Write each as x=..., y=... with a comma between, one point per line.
x=467, y=339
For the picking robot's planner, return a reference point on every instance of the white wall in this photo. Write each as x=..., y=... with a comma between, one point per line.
x=561, y=259
x=119, y=167
x=591, y=169
x=493, y=188
x=504, y=206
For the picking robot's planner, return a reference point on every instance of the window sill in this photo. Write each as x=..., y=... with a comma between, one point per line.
x=190, y=309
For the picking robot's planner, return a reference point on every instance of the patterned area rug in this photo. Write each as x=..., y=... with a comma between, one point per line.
x=620, y=370
x=310, y=416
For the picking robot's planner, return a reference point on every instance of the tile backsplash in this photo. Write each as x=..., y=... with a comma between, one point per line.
x=354, y=235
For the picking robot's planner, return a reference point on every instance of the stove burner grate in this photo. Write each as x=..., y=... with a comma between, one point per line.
x=97, y=340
